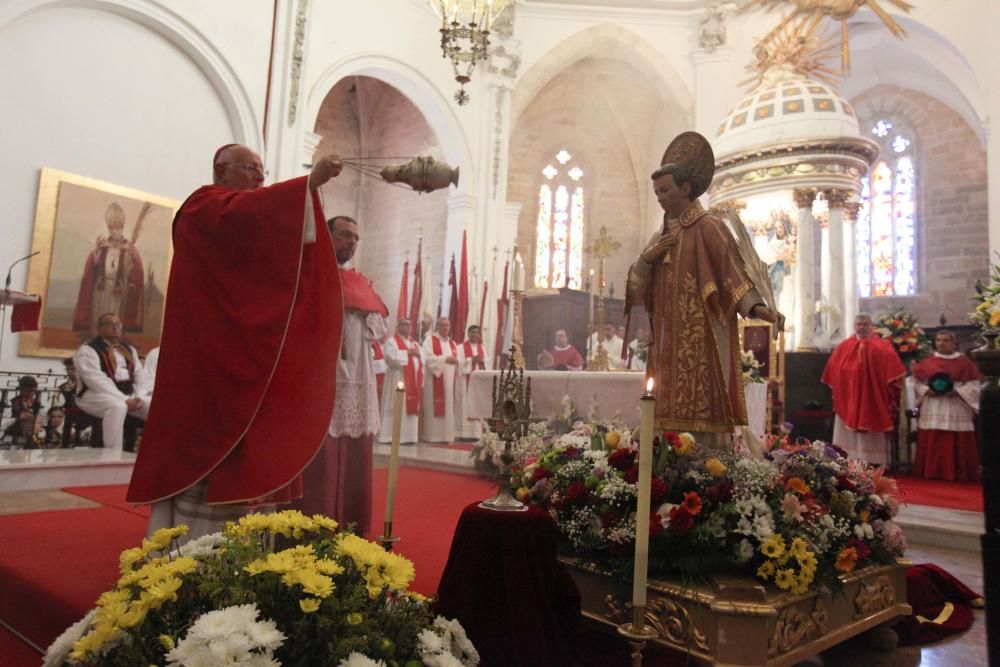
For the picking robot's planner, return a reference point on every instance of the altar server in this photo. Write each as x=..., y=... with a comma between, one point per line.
x=441, y=357
x=405, y=363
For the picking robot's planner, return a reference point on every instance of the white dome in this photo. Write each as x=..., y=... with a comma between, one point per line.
x=786, y=107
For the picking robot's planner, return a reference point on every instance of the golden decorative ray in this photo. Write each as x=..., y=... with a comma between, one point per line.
x=794, y=44
x=839, y=10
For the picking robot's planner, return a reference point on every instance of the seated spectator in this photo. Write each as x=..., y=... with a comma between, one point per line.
x=111, y=377
x=23, y=421
x=145, y=392
x=562, y=356
x=67, y=390
x=51, y=436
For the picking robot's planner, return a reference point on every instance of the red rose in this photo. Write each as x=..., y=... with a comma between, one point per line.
x=657, y=491
x=541, y=473
x=680, y=520
x=673, y=439
x=622, y=459
x=574, y=492
x=632, y=475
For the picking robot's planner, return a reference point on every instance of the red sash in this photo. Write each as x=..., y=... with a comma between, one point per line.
x=413, y=378
x=469, y=353
x=439, y=402
x=379, y=377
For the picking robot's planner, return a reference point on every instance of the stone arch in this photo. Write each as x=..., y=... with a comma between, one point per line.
x=175, y=29
x=602, y=40
x=418, y=89
x=933, y=66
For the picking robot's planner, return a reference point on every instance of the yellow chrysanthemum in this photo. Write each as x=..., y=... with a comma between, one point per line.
x=784, y=578
x=418, y=597
x=329, y=567
x=799, y=548
x=773, y=547
x=309, y=605
x=128, y=558
x=766, y=570
x=316, y=584
x=325, y=522
x=167, y=642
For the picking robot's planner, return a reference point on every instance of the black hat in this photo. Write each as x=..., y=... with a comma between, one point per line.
x=27, y=382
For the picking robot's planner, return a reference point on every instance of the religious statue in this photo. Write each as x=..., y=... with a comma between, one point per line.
x=112, y=280
x=712, y=31
x=694, y=279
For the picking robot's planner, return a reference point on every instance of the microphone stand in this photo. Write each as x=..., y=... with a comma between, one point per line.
x=6, y=298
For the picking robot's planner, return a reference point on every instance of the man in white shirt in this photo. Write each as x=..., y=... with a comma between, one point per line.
x=441, y=357
x=111, y=377
x=472, y=358
x=405, y=363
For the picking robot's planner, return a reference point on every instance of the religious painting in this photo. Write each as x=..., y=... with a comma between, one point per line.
x=102, y=248
x=756, y=336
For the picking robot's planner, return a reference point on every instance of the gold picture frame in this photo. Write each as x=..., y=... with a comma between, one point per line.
x=81, y=263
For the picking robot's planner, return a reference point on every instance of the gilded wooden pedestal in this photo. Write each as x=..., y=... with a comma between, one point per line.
x=740, y=621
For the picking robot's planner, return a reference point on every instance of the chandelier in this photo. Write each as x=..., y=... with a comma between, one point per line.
x=465, y=35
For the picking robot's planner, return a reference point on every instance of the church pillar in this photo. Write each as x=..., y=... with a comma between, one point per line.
x=833, y=263
x=712, y=97
x=805, y=297
x=283, y=151
x=851, y=210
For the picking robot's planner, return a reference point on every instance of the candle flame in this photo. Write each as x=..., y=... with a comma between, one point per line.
x=399, y=386
x=649, y=386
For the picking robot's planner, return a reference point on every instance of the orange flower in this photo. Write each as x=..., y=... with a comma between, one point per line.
x=692, y=502
x=797, y=485
x=847, y=559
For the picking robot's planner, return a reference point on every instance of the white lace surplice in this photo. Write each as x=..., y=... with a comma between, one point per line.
x=355, y=412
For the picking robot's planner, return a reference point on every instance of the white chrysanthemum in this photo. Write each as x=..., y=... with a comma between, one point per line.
x=63, y=644
x=744, y=551
x=358, y=660
x=228, y=637
x=206, y=545
x=428, y=641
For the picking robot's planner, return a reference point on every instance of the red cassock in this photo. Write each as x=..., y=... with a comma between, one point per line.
x=946, y=453
x=251, y=336
x=864, y=375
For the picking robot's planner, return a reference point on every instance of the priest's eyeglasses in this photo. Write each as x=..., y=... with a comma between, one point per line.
x=250, y=168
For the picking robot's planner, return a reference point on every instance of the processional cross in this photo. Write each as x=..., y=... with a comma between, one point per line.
x=602, y=248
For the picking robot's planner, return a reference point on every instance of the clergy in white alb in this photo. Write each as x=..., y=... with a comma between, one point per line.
x=441, y=359
x=404, y=363
x=472, y=357
x=610, y=342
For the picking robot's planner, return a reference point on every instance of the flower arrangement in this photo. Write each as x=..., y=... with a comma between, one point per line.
x=986, y=316
x=901, y=329
x=750, y=367
x=272, y=589
x=798, y=518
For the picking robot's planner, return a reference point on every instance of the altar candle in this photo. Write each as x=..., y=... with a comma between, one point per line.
x=590, y=298
x=518, y=274
x=639, y=574
x=397, y=421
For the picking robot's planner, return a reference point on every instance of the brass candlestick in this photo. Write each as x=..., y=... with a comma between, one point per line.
x=638, y=634
x=510, y=418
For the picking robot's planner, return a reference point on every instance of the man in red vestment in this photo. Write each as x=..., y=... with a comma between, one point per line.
x=562, y=356
x=947, y=387
x=253, y=311
x=865, y=374
x=338, y=482
x=405, y=364
x=441, y=359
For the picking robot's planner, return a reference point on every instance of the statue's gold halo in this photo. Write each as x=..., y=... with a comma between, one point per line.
x=694, y=152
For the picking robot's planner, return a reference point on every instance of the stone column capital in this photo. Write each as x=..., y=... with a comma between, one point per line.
x=804, y=197
x=836, y=198
x=851, y=210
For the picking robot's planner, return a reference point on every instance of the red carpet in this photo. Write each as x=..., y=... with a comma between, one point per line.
x=938, y=493
x=112, y=496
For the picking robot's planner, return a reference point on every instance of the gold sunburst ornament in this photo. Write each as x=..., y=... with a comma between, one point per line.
x=838, y=10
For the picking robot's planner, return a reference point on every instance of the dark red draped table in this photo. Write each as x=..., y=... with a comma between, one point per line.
x=503, y=582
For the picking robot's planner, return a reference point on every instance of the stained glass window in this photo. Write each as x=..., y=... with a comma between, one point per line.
x=886, y=229
x=559, y=228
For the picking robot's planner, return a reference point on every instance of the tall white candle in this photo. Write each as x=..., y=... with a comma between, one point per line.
x=640, y=573
x=518, y=274
x=397, y=421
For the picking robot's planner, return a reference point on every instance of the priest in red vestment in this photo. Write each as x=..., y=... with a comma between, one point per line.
x=471, y=357
x=947, y=388
x=338, y=482
x=562, y=356
x=246, y=376
x=441, y=359
x=865, y=374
